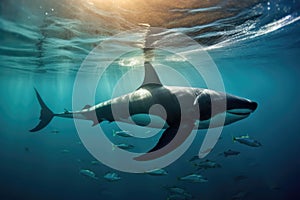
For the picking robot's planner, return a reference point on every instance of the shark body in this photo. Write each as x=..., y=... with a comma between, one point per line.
x=175, y=109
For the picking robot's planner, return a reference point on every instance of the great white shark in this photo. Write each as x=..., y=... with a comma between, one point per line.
x=184, y=109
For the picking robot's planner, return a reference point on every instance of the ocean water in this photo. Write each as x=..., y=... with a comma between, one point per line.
x=255, y=46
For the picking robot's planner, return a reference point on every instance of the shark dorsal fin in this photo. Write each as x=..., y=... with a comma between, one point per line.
x=151, y=76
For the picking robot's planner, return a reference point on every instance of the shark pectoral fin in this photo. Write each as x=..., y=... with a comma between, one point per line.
x=96, y=121
x=91, y=115
x=171, y=139
x=166, y=137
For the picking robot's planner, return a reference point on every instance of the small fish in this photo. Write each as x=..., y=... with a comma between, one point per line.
x=207, y=164
x=111, y=176
x=122, y=146
x=275, y=187
x=88, y=173
x=176, y=197
x=230, y=152
x=122, y=133
x=195, y=178
x=187, y=195
x=94, y=162
x=178, y=190
x=194, y=158
x=247, y=141
x=240, y=178
x=26, y=149
x=240, y=195
x=157, y=172
x=55, y=131
x=65, y=151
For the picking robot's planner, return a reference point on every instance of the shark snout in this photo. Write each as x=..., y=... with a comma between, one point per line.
x=238, y=105
x=252, y=105
x=247, y=105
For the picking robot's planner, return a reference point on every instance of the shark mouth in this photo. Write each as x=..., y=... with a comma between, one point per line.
x=245, y=107
x=241, y=112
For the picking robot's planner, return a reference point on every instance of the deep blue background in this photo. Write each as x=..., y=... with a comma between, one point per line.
x=264, y=69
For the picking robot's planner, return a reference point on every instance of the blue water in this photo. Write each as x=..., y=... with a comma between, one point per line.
x=255, y=46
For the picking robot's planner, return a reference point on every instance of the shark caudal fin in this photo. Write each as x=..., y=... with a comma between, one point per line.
x=46, y=114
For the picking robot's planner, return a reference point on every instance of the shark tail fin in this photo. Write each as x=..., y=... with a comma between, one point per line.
x=46, y=114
